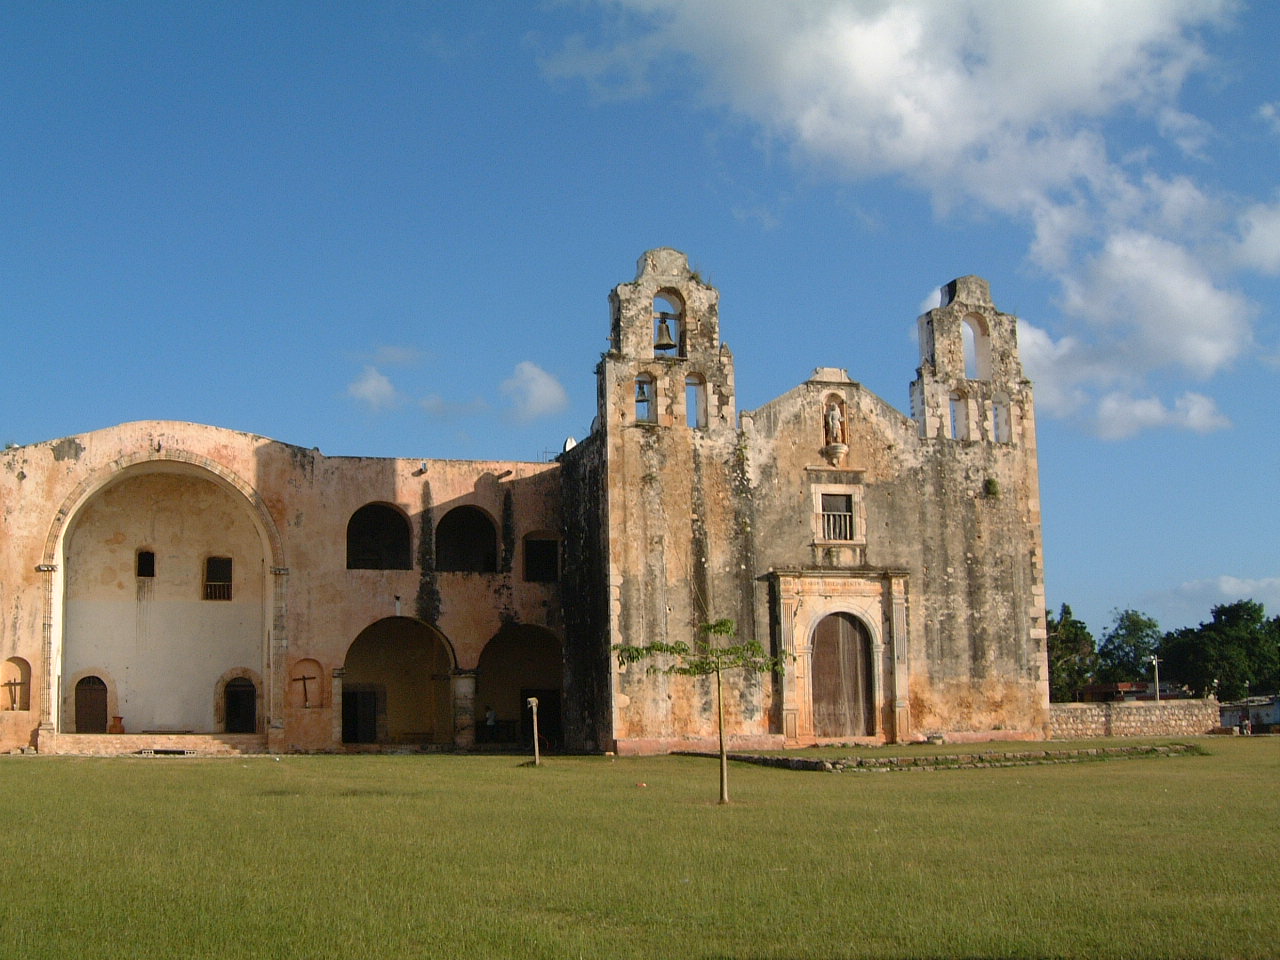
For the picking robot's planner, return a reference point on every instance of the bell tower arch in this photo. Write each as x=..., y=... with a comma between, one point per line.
x=676, y=531
x=970, y=385
x=665, y=337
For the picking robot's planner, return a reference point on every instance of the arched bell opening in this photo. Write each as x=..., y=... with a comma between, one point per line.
x=668, y=324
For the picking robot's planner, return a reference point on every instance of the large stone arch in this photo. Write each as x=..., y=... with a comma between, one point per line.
x=878, y=603
x=396, y=685
x=154, y=629
x=518, y=662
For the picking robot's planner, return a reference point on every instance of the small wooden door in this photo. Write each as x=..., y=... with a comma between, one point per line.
x=91, y=705
x=241, y=706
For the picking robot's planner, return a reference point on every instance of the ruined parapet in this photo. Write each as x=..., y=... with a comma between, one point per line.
x=970, y=385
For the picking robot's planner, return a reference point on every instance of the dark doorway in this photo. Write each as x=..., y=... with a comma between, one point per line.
x=549, y=725
x=91, y=705
x=359, y=715
x=241, y=706
x=841, y=678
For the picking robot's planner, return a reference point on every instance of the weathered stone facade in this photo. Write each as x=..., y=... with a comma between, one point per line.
x=186, y=580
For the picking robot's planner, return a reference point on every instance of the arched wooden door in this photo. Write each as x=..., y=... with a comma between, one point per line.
x=91, y=705
x=841, y=678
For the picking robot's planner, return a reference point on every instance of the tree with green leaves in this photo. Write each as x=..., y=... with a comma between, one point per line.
x=1125, y=653
x=1234, y=655
x=1072, y=657
x=713, y=653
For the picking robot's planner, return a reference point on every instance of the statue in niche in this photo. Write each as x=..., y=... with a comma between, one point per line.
x=835, y=424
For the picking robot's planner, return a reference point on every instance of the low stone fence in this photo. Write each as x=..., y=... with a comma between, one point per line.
x=1134, y=718
x=964, y=761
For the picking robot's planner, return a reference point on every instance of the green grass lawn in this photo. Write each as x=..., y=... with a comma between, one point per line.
x=450, y=856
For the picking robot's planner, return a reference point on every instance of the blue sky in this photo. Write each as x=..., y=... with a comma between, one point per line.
x=391, y=228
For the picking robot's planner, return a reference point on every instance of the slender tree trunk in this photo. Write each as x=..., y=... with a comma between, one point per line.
x=724, y=754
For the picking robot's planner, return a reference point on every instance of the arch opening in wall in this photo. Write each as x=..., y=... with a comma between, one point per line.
x=841, y=678
x=91, y=705
x=520, y=662
x=395, y=685
x=240, y=705
x=379, y=538
x=695, y=401
x=15, y=684
x=160, y=642
x=466, y=542
x=668, y=324
x=646, y=399
x=977, y=348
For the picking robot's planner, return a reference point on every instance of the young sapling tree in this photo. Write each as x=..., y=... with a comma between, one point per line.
x=712, y=654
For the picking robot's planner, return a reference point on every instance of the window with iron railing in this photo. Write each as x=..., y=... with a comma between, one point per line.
x=837, y=516
x=217, y=578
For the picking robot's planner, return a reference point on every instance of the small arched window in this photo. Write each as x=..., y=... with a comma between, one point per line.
x=378, y=538
x=467, y=542
x=646, y=399
x=977, y=348
x=695, y=401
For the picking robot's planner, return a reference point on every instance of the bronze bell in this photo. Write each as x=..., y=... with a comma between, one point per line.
x=664, y=341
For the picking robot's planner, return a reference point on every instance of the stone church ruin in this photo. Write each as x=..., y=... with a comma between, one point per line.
x=175, y=586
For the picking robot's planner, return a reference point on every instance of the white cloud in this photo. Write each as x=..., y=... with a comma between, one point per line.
x=1161, y=305
x=534, y=393
x=1270, y=115
x=1121, y=416
x=373, y=389
x=1003, y=106
x=1260, y=237
x=1054, y=368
